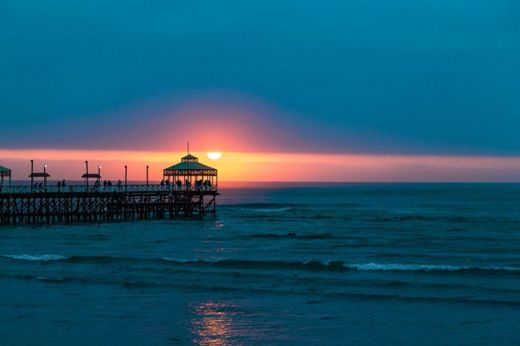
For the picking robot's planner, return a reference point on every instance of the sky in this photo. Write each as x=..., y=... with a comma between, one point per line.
x=375, y=90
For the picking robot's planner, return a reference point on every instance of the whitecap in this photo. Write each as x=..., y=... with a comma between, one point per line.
x=422, y=267
x=43, y=258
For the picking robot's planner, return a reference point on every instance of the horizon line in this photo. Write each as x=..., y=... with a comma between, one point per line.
x=277, y=166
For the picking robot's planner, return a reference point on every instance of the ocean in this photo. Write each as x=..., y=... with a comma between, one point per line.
x=281, y=264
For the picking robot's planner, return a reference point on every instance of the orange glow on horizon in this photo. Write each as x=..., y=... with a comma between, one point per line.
x=241, y=166
x=241, y=125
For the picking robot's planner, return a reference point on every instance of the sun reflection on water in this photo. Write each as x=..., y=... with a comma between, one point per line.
x=213, y=325
x=219, y=323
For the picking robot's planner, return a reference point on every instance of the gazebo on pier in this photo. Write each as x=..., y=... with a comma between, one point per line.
x=4, y=173
x=43, y=175
x=190, y=174
x=96, y=176
x=34, y=174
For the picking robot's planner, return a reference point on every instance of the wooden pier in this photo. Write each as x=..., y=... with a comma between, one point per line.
x=75, y=204
x=188, y=189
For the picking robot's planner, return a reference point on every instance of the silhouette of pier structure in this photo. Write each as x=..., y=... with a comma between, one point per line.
x=188, y=189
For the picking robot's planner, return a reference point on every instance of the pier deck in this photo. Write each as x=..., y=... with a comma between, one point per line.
x=71, y=204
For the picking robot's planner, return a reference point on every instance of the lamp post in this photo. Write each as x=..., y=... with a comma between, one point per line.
x=147, y=168
x=45, y=176
x=126, y=176
x=99, y=174
x=32, y=176
x=86, y=169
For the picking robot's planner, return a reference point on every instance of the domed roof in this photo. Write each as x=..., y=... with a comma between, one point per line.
x=190, y=165
x=189, y=158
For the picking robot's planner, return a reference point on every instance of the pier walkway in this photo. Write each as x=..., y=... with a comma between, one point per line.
x=77, y=203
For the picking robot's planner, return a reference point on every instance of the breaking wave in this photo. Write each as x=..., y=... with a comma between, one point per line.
x=275, y=264
x=424, y=267
x=341, y=266
x=42, y=258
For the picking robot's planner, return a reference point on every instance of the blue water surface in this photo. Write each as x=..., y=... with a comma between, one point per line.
x=335, y=264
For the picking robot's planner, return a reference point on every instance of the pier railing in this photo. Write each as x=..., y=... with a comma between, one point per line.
x=102, y=188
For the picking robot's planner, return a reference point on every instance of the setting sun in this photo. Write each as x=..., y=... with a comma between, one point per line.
x=214, y=155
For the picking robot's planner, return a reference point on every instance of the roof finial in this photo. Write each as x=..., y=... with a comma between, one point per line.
x=187, y=147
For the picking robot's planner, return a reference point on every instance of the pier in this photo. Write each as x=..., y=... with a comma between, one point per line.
x=188, y=189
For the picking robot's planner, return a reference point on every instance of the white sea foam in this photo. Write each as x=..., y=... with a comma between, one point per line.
x=339, y=265
x=171, y=259
x=421, y=267
x=43, y=258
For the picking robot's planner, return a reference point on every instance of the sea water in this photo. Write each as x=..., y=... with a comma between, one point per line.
x=318, y=264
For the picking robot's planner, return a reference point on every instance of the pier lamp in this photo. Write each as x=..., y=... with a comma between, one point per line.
x=147, y=168
x=99, y=174
x=45, y=175
x=126, y=176
x=32, y=176
x=86, y=170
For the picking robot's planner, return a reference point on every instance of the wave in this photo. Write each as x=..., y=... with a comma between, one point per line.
x=263, y=205
x=268, y=210
x=402, y=218
x=290, y=235
x=252, y=264
x=200, y=286
x=429, y=299
x=347, y=204
x=341, y=266
x=277, y=205
x=425, y=267
x=72, y=259
x=429, y=217
x=275, y=264
x=33, y=258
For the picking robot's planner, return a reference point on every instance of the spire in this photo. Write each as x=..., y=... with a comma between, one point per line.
x=189, y=157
